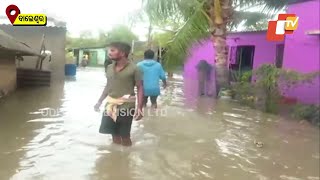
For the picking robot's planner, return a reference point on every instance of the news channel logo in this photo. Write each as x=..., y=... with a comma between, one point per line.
x=285, y=24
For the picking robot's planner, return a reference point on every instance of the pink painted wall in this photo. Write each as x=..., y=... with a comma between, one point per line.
x=265, y=52
x=302, y=51
x=198, y=52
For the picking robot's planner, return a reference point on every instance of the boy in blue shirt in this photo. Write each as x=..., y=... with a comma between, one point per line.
x=152, y=73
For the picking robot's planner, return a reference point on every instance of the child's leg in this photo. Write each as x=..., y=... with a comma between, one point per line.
x=154, y=101
x=125, y=122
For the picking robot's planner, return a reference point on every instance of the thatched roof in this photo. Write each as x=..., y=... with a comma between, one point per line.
x=10, y=45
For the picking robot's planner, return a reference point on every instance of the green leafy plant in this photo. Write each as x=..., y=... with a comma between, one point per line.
x=246, y=76
x=269, y=81
x=272, y=81
x=86, y=39
x=310, y=113
x=235, y=76
x=69, y=58
x=243, y=90
x=244, y=93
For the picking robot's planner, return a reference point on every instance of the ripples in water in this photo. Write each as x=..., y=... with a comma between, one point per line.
x=198, y=138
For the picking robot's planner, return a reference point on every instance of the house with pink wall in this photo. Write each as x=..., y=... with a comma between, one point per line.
x=246, y=51
x=301, y=51
x=251, y=45
x=249, y=50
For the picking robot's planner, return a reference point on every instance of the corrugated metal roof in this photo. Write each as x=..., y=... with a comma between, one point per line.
x=257, y=31
x=93, y=47
x=297, y=1
x=8, y=43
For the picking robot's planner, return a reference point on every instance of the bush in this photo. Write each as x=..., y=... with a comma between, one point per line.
x=243, y=90
x=265, y=92
x=70, y=58
x=310, y=113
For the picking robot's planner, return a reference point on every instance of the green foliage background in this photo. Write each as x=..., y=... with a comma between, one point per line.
x=86, y=39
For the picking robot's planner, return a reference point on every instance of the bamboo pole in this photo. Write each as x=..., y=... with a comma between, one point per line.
x=42, y=48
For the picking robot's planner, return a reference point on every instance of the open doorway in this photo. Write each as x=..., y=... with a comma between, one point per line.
x=160, y=54
x=245, y=56
x=243, y=61
x=279, y=55
x=93, y=58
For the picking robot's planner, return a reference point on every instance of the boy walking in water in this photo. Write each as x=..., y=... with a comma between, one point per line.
x=152, y=73
x=122, y=77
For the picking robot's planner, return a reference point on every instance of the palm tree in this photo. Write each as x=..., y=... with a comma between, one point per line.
x=203, y=18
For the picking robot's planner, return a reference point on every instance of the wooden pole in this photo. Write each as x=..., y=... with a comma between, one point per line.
x=42, y=48
x=132, y=49
x=160, y=54
x=149, y=36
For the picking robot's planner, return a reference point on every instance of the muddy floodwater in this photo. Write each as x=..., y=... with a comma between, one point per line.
x=52, y=133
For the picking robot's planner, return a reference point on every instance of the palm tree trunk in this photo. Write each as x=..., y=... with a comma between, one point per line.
x=222, y=72
x=220, y=13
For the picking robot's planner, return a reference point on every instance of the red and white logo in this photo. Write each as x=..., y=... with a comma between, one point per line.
x=286, y=24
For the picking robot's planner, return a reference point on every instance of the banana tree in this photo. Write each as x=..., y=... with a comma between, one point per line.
x=208, y=18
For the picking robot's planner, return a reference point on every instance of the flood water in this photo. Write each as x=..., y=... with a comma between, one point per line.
x=52, y=133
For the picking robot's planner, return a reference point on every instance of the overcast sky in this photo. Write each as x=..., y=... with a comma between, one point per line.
x=81, y=15
x=93, y=15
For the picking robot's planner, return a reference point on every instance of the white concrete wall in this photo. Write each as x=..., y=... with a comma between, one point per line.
x=80, y=56
x=101, y=56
